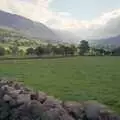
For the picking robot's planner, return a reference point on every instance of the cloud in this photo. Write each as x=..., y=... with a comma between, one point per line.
x=38, y=10
x=107, y=25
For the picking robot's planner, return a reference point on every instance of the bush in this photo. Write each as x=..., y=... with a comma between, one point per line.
x=30, y=51
x=2, y=51
x=39, y=51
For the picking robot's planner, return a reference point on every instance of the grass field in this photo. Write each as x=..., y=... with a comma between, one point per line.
x=79, y=78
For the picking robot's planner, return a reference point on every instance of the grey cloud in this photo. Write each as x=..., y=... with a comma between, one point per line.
x=111, y=28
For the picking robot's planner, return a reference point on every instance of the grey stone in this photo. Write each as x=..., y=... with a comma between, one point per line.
x=58, y=114
x=108, y=114
x=26, y=89
x=23, y=98
x=19, y=103
x=7, y=98
x=4, y=110
x=13, y=103
x=10, y=83
x=3, y=81
x=4, y=87
x=2, y=93
x=42, y=97
x=36, y=109
x=53, y=114
x=66, y=117
x=75, y=109
x=92, y=109
x=51, y=102
x=21, y=113
x=17, y=86
x=28, y=111
x=33, y=96
x=14, y=93
x=7, y=88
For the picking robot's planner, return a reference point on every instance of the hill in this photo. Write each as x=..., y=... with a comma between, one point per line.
x=27, y=27
x=110, y=41
x=67, y=36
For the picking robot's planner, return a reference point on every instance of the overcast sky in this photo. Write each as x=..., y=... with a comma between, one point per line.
x=87, y=18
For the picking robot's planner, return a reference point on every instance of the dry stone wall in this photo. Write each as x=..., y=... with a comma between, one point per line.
x=18, y=102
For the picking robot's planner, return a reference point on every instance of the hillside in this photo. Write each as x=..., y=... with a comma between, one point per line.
x=27, y=27
x=68, y=37
x=110, y=41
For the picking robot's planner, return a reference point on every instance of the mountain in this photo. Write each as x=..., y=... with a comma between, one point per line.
x=27, y=27
x=39, y=31
x=67, y=37
x=111, y=41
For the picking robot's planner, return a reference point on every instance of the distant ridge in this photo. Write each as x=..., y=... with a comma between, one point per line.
x=27, y=27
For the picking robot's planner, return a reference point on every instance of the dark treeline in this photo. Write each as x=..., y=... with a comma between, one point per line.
x=82, y=49
x=52, y=50
x=85, y=49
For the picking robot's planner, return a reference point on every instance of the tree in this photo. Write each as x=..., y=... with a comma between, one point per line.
x=30, y=51
x=92, y=51
x=21, y=52
x=73, y=49
x=108, y=52
x=99, y=51
x=66, y=50
x=54, y=50
x=58, y=50
x=48, y=49
x=62, y=50
x=2, y=51
x=84, y=47
x=116, y=51
x=7, y=52
x=14, y=49
x=39, y=51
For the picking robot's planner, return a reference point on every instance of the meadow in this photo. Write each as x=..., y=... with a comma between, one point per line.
x=78, y=78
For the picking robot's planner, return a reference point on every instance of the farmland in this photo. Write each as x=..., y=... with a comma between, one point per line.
x=78, y=78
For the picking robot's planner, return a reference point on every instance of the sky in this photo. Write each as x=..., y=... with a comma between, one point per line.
x=85, y=9
x=86, y=18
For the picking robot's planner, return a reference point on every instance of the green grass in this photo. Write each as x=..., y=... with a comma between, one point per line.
x=7, y=45
x=79, y=78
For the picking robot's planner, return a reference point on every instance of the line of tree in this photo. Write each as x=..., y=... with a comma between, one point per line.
x=85, y=49
x=52, y=50
x=65, y=50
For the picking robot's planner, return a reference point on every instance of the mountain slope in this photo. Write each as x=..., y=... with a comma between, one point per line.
x=112, y=41
x=68, y=37
x=27, y=27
